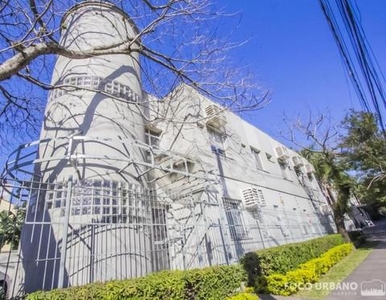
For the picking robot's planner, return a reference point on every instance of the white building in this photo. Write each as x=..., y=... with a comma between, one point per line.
x=264, y=193
x=121, y=184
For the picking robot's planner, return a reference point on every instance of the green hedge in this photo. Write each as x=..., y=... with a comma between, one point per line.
x=281, y=259
x=309, y=272
x=210, y=283
x=244, y=296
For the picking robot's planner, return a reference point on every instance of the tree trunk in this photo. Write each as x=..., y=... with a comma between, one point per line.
x=341, y=228
x=338, y=212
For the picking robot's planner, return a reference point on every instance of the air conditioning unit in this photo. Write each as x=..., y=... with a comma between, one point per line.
x=253, y=198
x=309, y=168
x=298, y=161
x=282, y=153
x=215, y=117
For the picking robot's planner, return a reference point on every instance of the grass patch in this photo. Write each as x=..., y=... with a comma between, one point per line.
x=338, y=272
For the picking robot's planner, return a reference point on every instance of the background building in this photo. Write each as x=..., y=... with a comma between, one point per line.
x=121, y=184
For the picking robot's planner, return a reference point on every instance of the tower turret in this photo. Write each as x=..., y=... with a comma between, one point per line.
x=85, y=222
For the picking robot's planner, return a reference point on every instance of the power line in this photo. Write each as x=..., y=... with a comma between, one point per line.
x=364, y=72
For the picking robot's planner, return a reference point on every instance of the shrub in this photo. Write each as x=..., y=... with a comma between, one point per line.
x=337, y=253
x=248, y=290
x=251, y=264
x=278, y=284
x=162, y=285
x=289, y=283
x=302, y=276
x=244, y=296
x=318, y=265
x=260, y=285
x=210, y=283
x=285, y=258
x=308, y=272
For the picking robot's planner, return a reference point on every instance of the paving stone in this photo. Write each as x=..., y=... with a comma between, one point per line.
x=370, y=275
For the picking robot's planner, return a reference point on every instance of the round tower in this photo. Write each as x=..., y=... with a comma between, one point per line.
x=91, y=217
x=95, y=112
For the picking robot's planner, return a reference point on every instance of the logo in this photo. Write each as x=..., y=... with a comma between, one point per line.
x=374, y=287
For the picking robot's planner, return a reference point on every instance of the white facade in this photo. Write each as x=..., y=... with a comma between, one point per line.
x=266, y=194
x=119, y=191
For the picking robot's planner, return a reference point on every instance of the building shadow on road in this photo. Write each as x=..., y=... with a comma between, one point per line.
x=375, y=235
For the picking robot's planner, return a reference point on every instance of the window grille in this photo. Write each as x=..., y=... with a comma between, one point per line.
x=235, y=220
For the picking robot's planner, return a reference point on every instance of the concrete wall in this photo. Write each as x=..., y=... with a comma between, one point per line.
x=293, y=200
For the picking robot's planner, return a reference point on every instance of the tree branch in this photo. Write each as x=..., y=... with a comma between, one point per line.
x=19, y=61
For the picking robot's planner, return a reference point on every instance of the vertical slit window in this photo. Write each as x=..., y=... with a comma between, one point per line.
x=257, y=158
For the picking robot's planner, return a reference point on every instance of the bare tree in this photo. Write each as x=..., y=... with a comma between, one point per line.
x=317, y=132
x=178, y=42
x=317, y=138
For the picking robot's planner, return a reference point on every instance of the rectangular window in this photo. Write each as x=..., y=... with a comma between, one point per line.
x=217, y=141
x=152, y=138
x=256, y=157
x=235, y=220
x=215, y=136
x=123, y=92
x=116, y=87
x=217, y=150
x=86, y=81
x=283, y=168
x=95, y=82
x=269, y=157
x=261, y=198
x=108, y=87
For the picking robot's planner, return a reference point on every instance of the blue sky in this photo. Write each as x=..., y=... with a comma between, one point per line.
x=295, y=56
x=293, y=53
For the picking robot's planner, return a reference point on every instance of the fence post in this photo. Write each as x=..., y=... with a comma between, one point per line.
x=62, y=264
x=223, y=242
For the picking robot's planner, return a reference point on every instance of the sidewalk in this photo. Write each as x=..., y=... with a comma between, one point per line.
x=364, y=277
x=370, y=275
